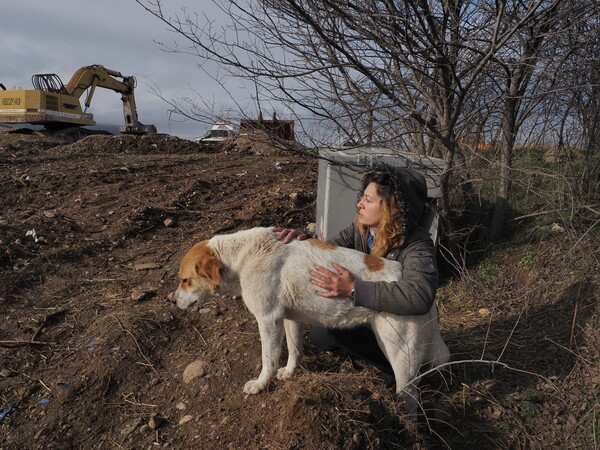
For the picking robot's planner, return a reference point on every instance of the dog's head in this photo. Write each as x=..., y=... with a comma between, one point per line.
x=199, y=275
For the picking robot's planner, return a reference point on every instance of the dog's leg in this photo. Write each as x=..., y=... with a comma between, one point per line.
x=438, y=351
x=271, y=339
x=440, y=354
x=398, y=342
x=294, y=332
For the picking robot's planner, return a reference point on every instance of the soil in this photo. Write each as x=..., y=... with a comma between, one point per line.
x=93, y=356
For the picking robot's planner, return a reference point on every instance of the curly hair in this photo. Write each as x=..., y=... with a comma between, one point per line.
x=393, y=227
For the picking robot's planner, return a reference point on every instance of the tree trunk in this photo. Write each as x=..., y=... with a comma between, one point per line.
x=508, y=139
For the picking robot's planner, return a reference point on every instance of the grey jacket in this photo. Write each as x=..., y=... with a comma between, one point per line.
x=415, y=292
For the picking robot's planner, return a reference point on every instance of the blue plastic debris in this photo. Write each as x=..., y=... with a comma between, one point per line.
x=90, y=346
x=4, y=413
x=81, y=344
x=62, y=383
x=44, y=400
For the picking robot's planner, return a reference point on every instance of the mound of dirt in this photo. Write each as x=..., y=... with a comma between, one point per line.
x=93, y=356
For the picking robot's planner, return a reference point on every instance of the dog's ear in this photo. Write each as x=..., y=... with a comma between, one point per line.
x=210, y=266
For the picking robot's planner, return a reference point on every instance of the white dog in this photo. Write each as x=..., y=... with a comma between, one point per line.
x=274, y=282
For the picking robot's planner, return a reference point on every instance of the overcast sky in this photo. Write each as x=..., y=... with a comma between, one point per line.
x=60, y=36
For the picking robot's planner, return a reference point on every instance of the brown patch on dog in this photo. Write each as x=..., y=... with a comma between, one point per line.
x=202, y=261
x=373, y=263
x=322, y=244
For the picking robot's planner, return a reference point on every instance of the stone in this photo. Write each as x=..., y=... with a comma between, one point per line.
x=155, y=422
x=185, y=419
x=194, y=370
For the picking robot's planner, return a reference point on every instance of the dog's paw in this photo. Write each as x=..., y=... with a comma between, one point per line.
x=253, y=387
x=284, y=374
x=411, y=399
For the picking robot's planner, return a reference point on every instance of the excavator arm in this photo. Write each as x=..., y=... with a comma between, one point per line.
x=89, y=77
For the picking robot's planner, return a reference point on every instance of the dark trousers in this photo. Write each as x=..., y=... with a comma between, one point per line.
x=358, y=342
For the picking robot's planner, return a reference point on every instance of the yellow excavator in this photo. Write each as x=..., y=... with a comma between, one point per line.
x=57, y=106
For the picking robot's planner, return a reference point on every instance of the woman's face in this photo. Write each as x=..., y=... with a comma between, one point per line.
x=369, y=207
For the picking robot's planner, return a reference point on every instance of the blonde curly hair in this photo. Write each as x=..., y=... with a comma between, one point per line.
x=392, y=228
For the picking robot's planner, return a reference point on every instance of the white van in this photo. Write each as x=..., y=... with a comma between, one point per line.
x=217, y=134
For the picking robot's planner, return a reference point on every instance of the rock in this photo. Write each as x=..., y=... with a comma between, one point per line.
x=6, y=373
x=495, y=413
x=139, y=295
x=185, y=419
x=194, y=370
x=180, y=406
x=169, y=223
x=484, y=312
x=127, y=430
x=155, y=422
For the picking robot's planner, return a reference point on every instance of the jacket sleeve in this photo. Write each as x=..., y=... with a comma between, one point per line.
x=414, y=294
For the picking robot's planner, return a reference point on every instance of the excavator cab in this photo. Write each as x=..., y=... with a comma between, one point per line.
x=49, y=104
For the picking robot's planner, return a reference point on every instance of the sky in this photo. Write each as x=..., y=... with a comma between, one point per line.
x=60, y=36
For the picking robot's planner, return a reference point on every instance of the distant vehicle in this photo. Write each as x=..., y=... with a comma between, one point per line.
x=217, y=134
x=282, y=129
x=57, y=106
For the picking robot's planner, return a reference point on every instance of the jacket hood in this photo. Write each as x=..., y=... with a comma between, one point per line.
x=410, y=192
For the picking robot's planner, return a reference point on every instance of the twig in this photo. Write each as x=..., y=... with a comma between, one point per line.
x=136, y=344
x=33, y=340
x=46, y=318
x=38, y=380
x=21, y=342
x=116, y=443
x=191, y=211
x=227, y=364
x=39, y=330
x=487, y=334
x=20, y=181
x=138, y=403
x=573, y=323
x=293, y=211
x=582, y=236
x=570, y=351
x=201, y=337
x=541, y=213
x=483, y=361
x=510, y=335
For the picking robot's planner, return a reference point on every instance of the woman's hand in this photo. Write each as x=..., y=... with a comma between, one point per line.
x=335, y=284
x=286, y=235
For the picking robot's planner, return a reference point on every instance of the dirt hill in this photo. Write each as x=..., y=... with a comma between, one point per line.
x=93, y=356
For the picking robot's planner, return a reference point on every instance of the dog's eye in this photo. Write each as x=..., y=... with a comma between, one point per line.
x=184, y=281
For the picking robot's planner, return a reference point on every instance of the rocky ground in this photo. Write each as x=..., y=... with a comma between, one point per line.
x=93, y=356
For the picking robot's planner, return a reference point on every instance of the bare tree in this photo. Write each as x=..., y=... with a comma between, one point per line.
x=412, y=74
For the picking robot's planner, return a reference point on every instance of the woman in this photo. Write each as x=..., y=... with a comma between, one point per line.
x=390, y=209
